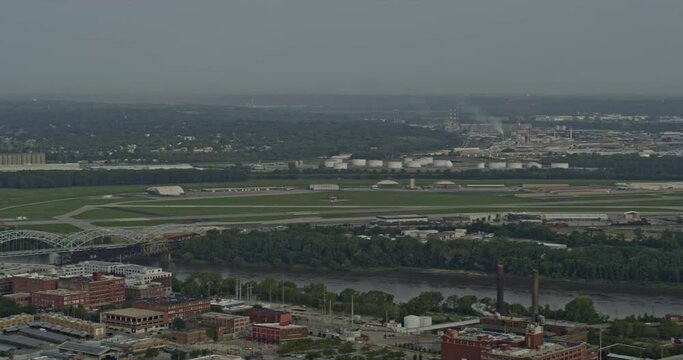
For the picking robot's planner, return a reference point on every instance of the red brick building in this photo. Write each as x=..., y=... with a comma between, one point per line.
x=33, y=283
x=232, y=324
x=276, y=333
x=176, y=307
x=262, y=316
x=102, y=289
x=194, y=336
x=59, y=299
x=475, y=344
x=146, y=291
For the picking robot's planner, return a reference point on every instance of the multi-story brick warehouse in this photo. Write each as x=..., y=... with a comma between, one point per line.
x=233, y=324
x=277, y=333
x=145, y=291
x=475, y=344
x=59, y=299
x=102, y=289
x=263, y=316
x=32, y=283
x=134, y=321
x=182, y=307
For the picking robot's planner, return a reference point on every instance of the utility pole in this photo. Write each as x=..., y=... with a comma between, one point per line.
x=351, y=312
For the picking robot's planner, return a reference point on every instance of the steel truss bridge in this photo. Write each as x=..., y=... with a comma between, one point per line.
x=33, y=242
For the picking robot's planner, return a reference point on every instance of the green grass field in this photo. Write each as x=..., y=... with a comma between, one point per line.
x=132, y=205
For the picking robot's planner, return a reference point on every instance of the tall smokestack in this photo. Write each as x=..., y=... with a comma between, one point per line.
x=501, y=288
x=534, y=296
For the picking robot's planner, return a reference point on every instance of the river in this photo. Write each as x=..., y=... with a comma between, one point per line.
x=614, y=300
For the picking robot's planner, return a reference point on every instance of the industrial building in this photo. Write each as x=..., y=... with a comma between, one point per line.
x=268, y=316
x=323, y=187
x=133, y=320
x=22, y=159
x=277, y=333
x=166, y=190
x=576, y=219
x=232, y=324
x=247, y=189
x=387, y=184
x=401, y=219
x=60, y=299
x=445, y=185
x=476, y=344
x=102, y=289
x=183, y=307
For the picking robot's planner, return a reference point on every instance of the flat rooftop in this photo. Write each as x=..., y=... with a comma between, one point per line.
x=133, y=312
x=170, y=300
x=545, y=349
x=222, y=315
x=278, y=326
x=478, y=334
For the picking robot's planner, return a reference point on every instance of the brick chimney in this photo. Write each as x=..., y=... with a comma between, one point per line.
x=533, y=337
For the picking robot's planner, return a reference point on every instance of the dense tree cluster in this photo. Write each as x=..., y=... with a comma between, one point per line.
x=69, y=131
x=9, y=307
x=628, y=165
x=590, y=256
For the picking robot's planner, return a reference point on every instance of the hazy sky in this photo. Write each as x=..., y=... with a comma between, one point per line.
x=198, y=47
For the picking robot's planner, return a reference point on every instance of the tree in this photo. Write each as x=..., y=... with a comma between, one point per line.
x=151, y=353
x=178, y=323
x=178, y=355
x=212, y=333
x=581, y=309
x=668, y=329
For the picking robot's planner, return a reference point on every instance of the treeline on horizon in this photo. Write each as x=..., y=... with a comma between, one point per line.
x=589, y=257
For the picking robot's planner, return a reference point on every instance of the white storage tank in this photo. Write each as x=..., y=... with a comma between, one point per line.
x=411, y=322
x=495, y=165
x=394, y=165
x=514, y=165
x=425, y=321
x=341, y=166
x=358, y=162
x=407, y=160
x=443, y=163
x=559, y=165
x=481, y=165
x=414, y=164
x=330, y=163
x=427, y=160
x=531, y=165
x=375, y=163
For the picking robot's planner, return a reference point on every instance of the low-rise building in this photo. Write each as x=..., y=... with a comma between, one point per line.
x=23, y=298
x=145, y=291
x=87, y=351
x=183, y=307
x=194, y=336
x=277, y=333
x=60, y=299
x=15, y=320
x=268, y=316
x=93, y=329
x=134, y=321
x=323, y=187
x=236, y=325
x=172, y=190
